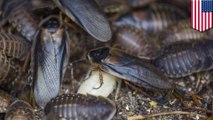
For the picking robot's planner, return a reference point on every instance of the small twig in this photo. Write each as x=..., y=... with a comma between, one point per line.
x=141, y=117
x=118, y=89
x=198, y=80
x=201, y=109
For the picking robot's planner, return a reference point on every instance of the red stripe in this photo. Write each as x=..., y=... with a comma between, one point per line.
x=207, y=14
x=209, y=20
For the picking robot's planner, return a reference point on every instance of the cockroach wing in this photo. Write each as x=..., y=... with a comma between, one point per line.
x=49, y=58
x=88, y=15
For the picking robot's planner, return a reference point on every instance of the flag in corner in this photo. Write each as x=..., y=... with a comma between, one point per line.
x=201, y=14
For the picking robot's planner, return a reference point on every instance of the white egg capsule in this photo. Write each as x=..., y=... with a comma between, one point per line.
x=92, y=85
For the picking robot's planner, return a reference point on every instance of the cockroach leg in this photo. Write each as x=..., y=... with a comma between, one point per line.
x=100, y=79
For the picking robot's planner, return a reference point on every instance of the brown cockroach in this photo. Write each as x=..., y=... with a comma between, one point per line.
x=180, y=32
x=9, y=70
x=114, y=8
x=14, y=58
x=18, y=13
x=20, y=110
x=14, y=47
x=185, y=58
x=152, y=19
x=134, y=41
x=122, y=6
x=81, y=107
x=5, y=101
x=130, y=68
x=81, y=42
x=182, y=4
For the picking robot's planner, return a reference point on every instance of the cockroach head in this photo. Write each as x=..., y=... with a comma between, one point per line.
x=99, y=54
x=52, y=23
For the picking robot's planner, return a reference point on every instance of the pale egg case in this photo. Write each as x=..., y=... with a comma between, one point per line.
x=92, y=84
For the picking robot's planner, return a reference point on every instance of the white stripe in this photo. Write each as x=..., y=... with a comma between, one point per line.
x=193, y=12
x=203, y=21
x=197, y=14
x=207, y=20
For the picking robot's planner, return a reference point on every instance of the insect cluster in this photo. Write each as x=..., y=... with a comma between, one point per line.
x=45, y=45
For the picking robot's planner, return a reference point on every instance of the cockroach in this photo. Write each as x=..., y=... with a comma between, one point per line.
x=81, y=42
x=88, y=15
x=9, y=71
x=139, y=3
x=50, y=54
x=185, y=58
x=152, y=19
x=39, y=4
x=18, y=13
x=184, y=5
x=20, y=110
x=120, y=7
x=134, y=41
x=130, y=68
x=14, y=57
x=5, y=101
x=113, y=6
x=80, y=69
x=81, y=107
x=181, y=31
x=13, y=47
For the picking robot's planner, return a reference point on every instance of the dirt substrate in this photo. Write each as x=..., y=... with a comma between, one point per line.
x=196, y=105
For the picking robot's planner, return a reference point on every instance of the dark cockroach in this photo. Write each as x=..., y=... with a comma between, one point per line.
x=5, y=101
x=13, y=46
x=181, y=31
x=88, y=15
x=39, y=4
x=127, y=67
x=114, y=6
x=50, y=53
x=80, y=69
x=182, y=4
x=20, y=110
x=121, y=6
x=81, y=42
x=12, y=74
x=74, y=74
x=152, y=19
x=80, y=107
x=185, y=58
x=134, y=41
x=14, y=56
x=9, y=70
x=17, y=12
x=139, y=3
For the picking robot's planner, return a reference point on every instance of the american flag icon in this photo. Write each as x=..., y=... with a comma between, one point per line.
x=201, y=14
